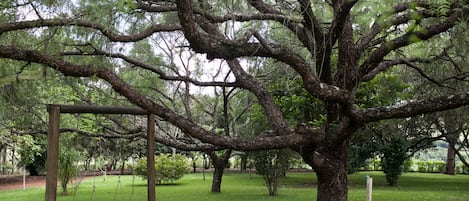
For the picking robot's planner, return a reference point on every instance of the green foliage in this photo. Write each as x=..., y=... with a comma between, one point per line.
x=431, y=166
x=394, y=155
x=272, y=164
x=28, y=149
x=296, y=103
x=384, y=89
x=126, y=5
x=67, y=167
x=361, y=148
x=167, y=168
x=407, y=165
x=32, y=153
x=441, y=7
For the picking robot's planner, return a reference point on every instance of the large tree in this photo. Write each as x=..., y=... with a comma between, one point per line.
x=332, y=46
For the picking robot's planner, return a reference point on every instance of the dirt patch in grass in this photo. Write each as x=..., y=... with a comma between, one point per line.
x=10, y=182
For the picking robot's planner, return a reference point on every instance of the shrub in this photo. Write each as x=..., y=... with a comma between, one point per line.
x=394, y=155
x=67, y=167
x=422, y=166
x=407, y=166
x=272, y=164
x=167, y=168
x=439, y=166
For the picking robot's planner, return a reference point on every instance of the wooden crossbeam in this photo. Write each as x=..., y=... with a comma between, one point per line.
x=53, y=141
x=94, y=109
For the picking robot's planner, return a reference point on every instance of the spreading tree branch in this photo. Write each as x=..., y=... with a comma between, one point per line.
x=412, y=108
x=284, y=139
x=111, y=35
x=409, y=38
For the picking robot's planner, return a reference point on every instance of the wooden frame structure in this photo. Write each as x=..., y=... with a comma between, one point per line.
x=53, y=142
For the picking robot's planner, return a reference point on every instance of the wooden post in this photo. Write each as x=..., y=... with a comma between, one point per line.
x=24, y=177
x=151, y=157
x=52, y=152
x=369, y=188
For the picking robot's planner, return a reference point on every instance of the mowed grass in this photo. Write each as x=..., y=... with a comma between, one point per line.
x=240, y=186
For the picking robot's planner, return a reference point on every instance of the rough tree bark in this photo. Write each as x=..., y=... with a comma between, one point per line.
x=451, y=153
x=329, y=161
x=219, y=165
x=450, y=167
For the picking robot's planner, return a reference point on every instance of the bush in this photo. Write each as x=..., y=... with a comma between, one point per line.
x=431, y=166
x=407, y=166
x=167, y=168
x=272, y=164
x=68, y=168
x=422, y=166
x=439, y=166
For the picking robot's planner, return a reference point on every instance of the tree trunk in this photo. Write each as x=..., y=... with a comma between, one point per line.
x=330, y=165
x=3, y=158
x=219, y=165
x=123, y=167
x=13, y=161
x=450, y=162
x=64, y=190
x=194, y=166
x=217, y=177
x=244, y=162
x=332, y=182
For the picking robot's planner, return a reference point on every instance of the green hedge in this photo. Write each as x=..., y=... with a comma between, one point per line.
x=168, y=168
x=431, y=166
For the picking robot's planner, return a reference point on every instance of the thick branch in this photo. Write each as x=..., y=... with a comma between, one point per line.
x=409, y=38
x=113, y=36
x=341, y=13
x=153, y=69
x=157, y=7
x=308, y=37
x=217, y=47
x=267, y=101
x=413, y=108
x=129, y=135
x=133, y=135
x=385, y=65
x=247, y=81
x=381, y=25
x=286, y=139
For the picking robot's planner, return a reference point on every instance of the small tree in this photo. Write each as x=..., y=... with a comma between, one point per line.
x=272, y=165
x=394, y=155
x=167, y=168
x=67, y=167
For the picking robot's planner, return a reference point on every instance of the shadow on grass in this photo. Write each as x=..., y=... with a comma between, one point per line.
x=165, y=184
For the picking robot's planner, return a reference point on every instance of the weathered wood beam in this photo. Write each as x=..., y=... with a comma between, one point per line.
x=52, y=153
x=94, y=109
x=151, y=158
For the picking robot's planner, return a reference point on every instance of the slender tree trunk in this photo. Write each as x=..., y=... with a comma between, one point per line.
x=13, y=161
x=3, y=158
x=217, y=177
x=194, y=166
x=450, y=162
x=219, y=165
x=64, y=189
x=123, y=167
x=244, y=162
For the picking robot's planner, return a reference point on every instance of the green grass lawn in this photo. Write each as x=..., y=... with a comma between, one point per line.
x=236, y=186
